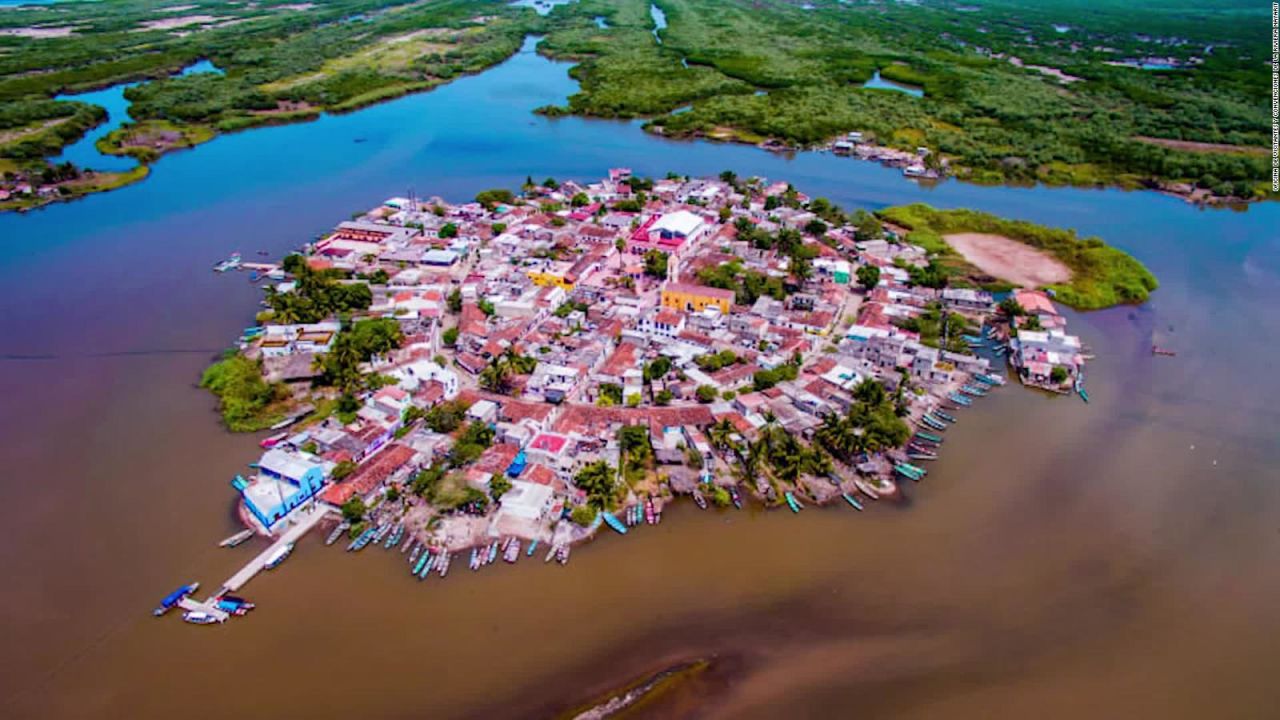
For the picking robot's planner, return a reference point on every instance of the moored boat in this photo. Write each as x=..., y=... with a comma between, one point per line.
x=493, y=553
x=701, y=501
x=852, y=501
x=614, y=522
x=168, y=602
x=948, y=417
x=532, y=546
x=279, y=556
x=792, y=502
x=512, y=553
x=200, y=617
x=236, y=539
x=337, y=532
x=736, y=497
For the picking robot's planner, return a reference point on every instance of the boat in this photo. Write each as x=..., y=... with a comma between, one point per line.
x=240, y=605
x=792, y=502
x=551, y=553
x=493, y=553
x=702, y=502
x=337, y=532
x=443, y=565
x=973, y=390
x=200, y=617
x=364, y=539
x=649, y=515
x=475, y=560
x=230, y=263
x=971, y=338
x=960, y=400
x=614, y=522
x=985, y=379
x=866, y=488
x=236, y=539
x=413, y=556
x=948, y=417
x=562, y=556
x=422, y=563
x=277, y=557
x=931, y=422
x=272, y=441
x=929, y=436
x=409, y=545
x=852, y=501
x=532, y=546
x=512, y=553
x=921, y=456
x=394, y=538
x=736, y=497
x=1157, y=350
x=168, y=602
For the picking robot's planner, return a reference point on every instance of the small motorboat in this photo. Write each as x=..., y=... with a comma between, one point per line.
x=199, y=617
x=236, y=539
x=168, y=602
x=279, y=556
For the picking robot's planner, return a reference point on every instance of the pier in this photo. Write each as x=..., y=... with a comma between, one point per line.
x=302, y=522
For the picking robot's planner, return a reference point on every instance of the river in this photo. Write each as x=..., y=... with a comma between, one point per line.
x=1062, y=559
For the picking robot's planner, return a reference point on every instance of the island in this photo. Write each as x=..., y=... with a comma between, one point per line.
x=480, y=380
x=1014, y=93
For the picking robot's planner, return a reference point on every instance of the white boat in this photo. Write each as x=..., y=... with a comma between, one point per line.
x=199, y=617
x=236, y=539
x=278, y=556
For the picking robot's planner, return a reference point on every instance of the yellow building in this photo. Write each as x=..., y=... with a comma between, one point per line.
x=557, y=275
x=695, y=298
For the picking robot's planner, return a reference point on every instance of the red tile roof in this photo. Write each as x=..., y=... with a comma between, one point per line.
x=371, y=474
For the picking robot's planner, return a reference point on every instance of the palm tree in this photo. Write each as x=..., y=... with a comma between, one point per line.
x=494, y=377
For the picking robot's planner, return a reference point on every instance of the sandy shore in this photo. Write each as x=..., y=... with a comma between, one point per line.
x=1009, y=259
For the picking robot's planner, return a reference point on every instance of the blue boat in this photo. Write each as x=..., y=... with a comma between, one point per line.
x=426, y=568
x=614, y=523
x=852, y=501
x=493, y=553
x=532, y=546
x=365, y=538
x=933, y=422
x=929, y=436
x=792, y=502
x=944, y=416
x=959, y=399
x=168, y=602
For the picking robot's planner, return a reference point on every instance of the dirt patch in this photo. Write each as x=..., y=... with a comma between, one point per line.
x=8, y=136
x=177, y=22
x=1204, y=147
x=41, y=32
x=1009, y=260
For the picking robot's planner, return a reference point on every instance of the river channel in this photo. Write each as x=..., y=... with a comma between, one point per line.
x=1115, y=559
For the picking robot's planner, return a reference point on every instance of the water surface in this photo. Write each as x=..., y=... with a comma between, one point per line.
x=878, y=83
x=1115, y=559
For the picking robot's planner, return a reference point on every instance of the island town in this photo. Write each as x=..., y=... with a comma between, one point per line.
x=508, y=376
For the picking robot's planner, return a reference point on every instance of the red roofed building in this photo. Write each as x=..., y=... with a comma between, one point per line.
x=369, y=476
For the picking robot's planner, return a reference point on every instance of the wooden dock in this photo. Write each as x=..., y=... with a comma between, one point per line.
x=208, y=606
x=303, y=522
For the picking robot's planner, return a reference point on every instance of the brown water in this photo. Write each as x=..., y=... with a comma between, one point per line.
x=1116, y=559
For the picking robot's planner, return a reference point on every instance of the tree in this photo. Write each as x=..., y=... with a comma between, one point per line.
x=816, y=227
x=657, y=369
x=705, y=393
x=868, y=276
x=498, y=486
x=583, y=515
x=579, y=200
x=342, y=470
x=454, y=301
x=868, y=226
x=729, y=176
x=597, y=481
x=1058, y=375
x=655, y=264
x=449, y=337
x=1010, y=307
x=353, y=510
x=494, y=197
x=449, y=230
x=663, y=397
x=497, y=375
x=551, y=184
x=486, y=307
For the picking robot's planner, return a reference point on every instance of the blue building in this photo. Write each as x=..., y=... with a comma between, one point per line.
x=286, y=479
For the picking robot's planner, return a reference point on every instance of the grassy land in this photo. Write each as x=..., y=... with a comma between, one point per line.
x=146, y=141
x=1101, y=276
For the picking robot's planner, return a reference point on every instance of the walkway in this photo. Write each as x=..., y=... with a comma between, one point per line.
x=302, y=522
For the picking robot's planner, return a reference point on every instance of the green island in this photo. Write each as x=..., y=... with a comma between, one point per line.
x=1009, y=92
x=1100, y=275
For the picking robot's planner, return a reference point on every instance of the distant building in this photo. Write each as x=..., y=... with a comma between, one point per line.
x=696, y=298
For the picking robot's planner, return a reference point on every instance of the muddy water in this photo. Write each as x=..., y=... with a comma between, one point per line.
x=1112, y=559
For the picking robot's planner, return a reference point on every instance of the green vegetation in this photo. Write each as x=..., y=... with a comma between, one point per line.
x=353, y=510
x=870, y=425
x=773, y=69
x=1101, y=276
x=318, y=294
x=355, y=345
x=930, y=326
x=247, y=402
x=597, y=481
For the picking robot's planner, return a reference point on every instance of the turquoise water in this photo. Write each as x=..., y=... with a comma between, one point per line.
x=601, y=22
x=84, y=152
x=880, y=83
